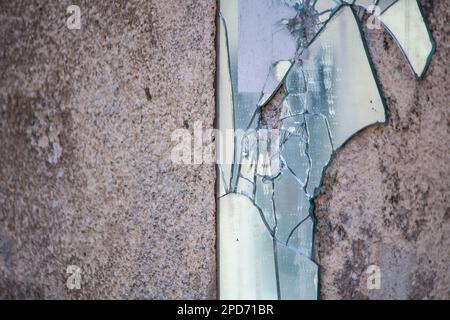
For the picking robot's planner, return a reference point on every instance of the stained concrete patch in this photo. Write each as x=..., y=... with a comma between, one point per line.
x=86, y=179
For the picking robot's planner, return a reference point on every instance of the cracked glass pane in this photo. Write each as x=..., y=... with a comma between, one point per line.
x=269, y=176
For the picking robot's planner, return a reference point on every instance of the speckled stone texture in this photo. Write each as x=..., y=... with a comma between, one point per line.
x=385, y=199
x=86, y=118
x=86, y=179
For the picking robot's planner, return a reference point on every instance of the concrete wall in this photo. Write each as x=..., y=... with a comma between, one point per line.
x=86, y=179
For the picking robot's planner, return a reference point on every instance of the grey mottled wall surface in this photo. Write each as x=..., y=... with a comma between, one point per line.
x=86, y=179
x=386, y=197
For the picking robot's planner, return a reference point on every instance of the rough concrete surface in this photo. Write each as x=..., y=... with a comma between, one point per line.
x=86, y=179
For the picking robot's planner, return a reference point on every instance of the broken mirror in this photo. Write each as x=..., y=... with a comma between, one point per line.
x=268, y=177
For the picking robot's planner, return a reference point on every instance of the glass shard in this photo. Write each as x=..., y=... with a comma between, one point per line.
x=385, y=4
x=224, y=102
x=295, y=157
x=407, y=26
x=244, y=239
x=314, y=49
x=298, y=275
x=291, y=204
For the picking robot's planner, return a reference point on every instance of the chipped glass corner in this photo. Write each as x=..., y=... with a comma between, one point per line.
x=267, y=177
